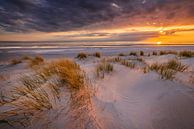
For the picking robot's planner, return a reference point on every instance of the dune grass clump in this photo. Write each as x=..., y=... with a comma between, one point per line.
x=154, y=53
x=127, y=64
x=68, y=71
x=36, y=61
x=25, y=57
x=15, y=61
x=123, y=62
x=133, y=54
x=167, y=52
x=114, y=59
x=121, y=54
x=141, y=53
x=146, y=69
x=176, y=65
x=140, y=59
x=97, y=54
x=103, y=68
x=36, y=92
x=27, y=100
x=117, y=59
x=81, y=55
x=163, y=71
x=169, y=69
x=186, y=54
x=75, y=80
x=34, y=99
x=162, y=52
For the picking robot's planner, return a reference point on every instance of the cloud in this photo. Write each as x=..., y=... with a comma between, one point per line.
x=173, y=31
x=108, y=37
x=64, y=15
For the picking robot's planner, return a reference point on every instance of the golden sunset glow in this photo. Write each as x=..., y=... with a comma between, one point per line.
x=153, y=34
x=177, y=38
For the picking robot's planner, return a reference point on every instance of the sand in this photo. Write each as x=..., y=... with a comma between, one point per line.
x=127, y=98
x=130, y=99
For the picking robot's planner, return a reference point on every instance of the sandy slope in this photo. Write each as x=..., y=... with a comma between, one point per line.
x=131, y=99
x=128, y=98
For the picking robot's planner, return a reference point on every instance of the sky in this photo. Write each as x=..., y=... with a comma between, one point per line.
x=132, y=21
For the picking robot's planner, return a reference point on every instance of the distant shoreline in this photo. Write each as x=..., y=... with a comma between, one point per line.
x=5, y=46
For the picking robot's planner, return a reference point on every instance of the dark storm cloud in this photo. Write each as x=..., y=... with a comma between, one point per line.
x=64, y=15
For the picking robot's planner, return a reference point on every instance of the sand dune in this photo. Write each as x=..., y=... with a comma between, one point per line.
x=130, y=99
x=126, y=98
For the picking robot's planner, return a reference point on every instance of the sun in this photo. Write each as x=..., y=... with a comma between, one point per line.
x=158, y=43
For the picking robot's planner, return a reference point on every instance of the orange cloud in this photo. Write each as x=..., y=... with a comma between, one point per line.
x=182, y=37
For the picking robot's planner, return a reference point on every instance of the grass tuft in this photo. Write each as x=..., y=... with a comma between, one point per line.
x=36, y=61
x=141, y=53
x=15, y=61
x=68, y=71
x=186, y=54
x=81, y=56
x=169, y=69
x=34, y=95
x=154, y=53
x=127, y=64
x=102, y=68
x=97, y=54
x=168, y=52
x=133, y=54
x=121, y=54
x=25, y=57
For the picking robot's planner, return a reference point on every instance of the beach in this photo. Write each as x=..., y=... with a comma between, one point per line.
x=129, y=97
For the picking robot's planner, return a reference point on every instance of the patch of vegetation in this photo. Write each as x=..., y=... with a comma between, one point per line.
x=133, y=54
x=154, y=53
x=15, y=61
x=97, y=54
x=145, y=69
x=102, y=68
x=140, y=59
x=169, y=69
x=25, y=57
x=36, y=92
x=115, y=59
x=141, y=53
x=68, y=71
x=37, y=60
x=168, y=52
x=127, y=64
x=81, y=56
x=186, y=54
x=121, y=54
x=124, y=62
